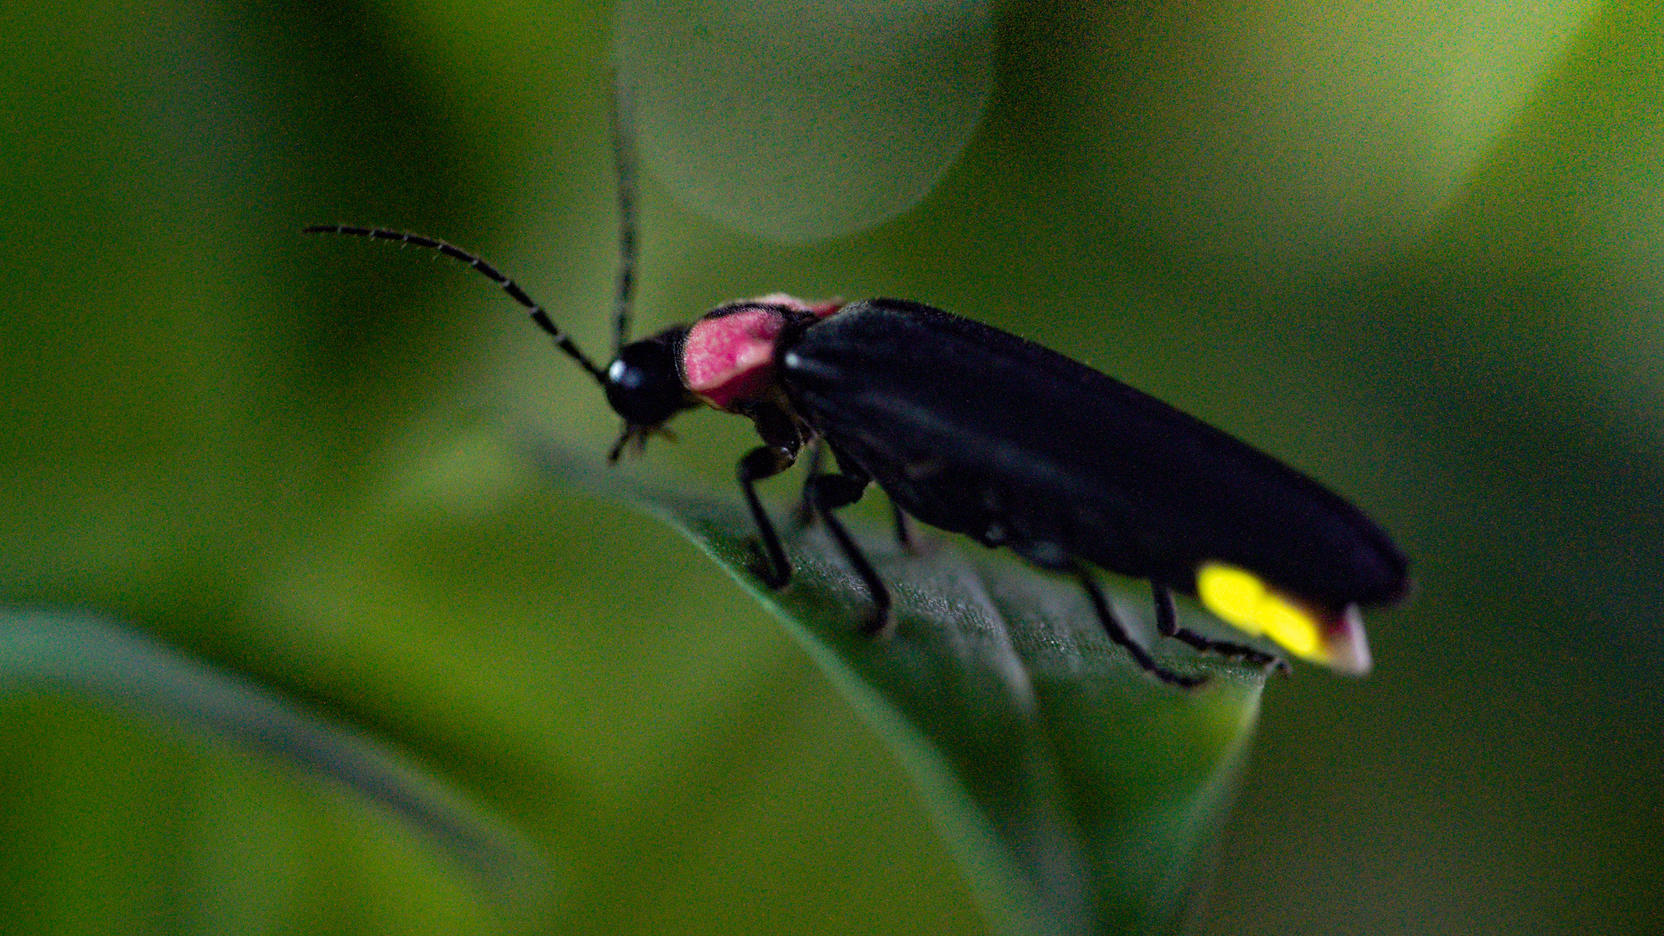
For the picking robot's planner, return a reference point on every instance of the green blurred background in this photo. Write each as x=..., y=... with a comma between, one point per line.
x=1416, y=251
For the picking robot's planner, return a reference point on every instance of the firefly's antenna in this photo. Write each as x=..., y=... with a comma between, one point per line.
x=624, y=162
x=540, y=317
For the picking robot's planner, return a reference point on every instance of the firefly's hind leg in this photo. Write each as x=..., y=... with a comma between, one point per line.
x=825, y=493
x=1118, y=633
x=1167, y=623
x=762, y=462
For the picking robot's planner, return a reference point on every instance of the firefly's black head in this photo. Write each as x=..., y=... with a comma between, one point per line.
x=644, y=386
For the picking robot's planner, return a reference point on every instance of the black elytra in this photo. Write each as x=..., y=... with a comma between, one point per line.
x=976, y=431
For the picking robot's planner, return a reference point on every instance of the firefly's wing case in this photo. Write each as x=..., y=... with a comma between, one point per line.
x=976, y=431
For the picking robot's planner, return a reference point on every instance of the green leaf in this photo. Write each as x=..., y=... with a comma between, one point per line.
x=1079, y=793
x=91, y=657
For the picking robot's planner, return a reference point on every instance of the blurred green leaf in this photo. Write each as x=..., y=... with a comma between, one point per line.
x=1077, y=791
x=92, y=657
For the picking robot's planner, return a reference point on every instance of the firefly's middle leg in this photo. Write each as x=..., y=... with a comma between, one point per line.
x=825, y=493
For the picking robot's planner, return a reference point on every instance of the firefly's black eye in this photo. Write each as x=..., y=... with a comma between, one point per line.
x=643, y=384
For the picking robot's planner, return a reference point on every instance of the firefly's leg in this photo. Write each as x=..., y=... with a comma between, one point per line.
x=1118, y=633
x=1167, y=623
x=805, y=514
x=904, y=533
x=766, y=461
x=826, y=493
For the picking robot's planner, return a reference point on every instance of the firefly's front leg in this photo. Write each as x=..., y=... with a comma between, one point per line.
x=762, y=462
